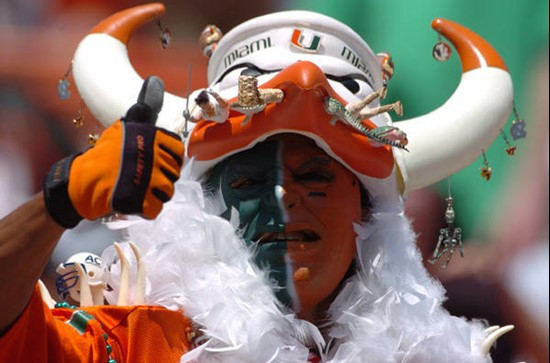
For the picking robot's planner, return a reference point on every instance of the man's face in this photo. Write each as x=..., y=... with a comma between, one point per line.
x=296, y=207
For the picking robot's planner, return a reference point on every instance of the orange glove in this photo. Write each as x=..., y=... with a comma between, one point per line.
x=131, y=169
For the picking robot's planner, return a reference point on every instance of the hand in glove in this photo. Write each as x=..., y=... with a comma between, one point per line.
x=131, y=169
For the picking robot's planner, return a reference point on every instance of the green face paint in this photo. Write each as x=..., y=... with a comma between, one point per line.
x=248, y=182
x=296, y=206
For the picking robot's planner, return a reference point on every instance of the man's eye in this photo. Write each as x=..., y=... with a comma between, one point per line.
x=315, y=177
x=351, y=84
x=354, y=83
x=244, y=182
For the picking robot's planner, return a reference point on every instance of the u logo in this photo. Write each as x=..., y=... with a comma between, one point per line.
x=298, y=38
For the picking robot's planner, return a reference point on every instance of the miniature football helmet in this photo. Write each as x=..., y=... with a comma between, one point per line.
x=67, y=282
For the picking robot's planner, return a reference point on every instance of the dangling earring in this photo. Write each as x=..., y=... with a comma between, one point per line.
x=186, y=112
x=165, y=36
x=63, y=85
x=517, y=129
x=510, y=149
x=449, y=237
x=92, y=137
x=441, y=50
x=209, y=38
x=485, y=170
x=78, y=120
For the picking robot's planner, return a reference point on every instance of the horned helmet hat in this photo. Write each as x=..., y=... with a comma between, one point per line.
x=310, y=57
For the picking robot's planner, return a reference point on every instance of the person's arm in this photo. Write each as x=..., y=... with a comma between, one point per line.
x=27, y=238
x=131, y=169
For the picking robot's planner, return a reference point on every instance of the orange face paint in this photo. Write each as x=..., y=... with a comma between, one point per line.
x=296, y=206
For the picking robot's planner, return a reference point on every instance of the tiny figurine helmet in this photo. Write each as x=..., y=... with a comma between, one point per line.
x=67, y=282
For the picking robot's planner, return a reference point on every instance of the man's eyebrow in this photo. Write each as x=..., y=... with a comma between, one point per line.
x=244, y=168
x=315, y=161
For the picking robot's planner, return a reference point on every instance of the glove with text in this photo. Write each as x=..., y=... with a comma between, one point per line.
x=131, y=169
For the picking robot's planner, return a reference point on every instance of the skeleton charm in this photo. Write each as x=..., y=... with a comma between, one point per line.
x=449, y=238
x=388, y=135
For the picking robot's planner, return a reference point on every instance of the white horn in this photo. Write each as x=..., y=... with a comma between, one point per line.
x=106, y=80
x=46, y=297
x=124, y=289
x=139, y=293
x=85, y=291
x=453, y=136
x=492, y=338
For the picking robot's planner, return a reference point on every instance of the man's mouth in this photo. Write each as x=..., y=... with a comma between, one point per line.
x=296, y=236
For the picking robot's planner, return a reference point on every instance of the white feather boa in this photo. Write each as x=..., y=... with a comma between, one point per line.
x=390, y=311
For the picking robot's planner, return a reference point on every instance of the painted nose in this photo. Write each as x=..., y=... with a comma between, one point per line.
x=288, y=198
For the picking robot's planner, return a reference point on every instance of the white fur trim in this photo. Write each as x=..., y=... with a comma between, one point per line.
x=390, y=311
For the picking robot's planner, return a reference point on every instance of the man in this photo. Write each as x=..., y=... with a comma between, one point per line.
x=312, y=258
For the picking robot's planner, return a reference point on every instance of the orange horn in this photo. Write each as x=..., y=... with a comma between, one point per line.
x=122, y=25
x=474, y=51
x=105, y=78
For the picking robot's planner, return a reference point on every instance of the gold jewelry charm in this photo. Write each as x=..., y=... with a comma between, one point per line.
x=92, y=138
x=510, y=149
x=486, y=170
x=78, y=120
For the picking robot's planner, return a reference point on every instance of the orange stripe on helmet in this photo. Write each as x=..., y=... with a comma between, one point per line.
x=122, y=25
x=474, y=51
x=305, y=87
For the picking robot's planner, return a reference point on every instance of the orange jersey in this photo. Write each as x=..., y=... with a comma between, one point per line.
x=133, y=333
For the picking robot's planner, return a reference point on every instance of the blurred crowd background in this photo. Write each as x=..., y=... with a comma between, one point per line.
x=504, y=274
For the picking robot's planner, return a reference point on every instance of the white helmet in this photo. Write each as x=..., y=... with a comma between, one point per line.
x=67, y=281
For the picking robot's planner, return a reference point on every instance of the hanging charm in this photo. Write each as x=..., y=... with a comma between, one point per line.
x=186, y=112
x=449, y=237
x=385, y=60
x=517, y=129
x=78, y=120
x=209, y=38
x=165, y=36
x=441, y=50
x=486, y=170
x=63, y=84
x=510, y=149
x=92, y=137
